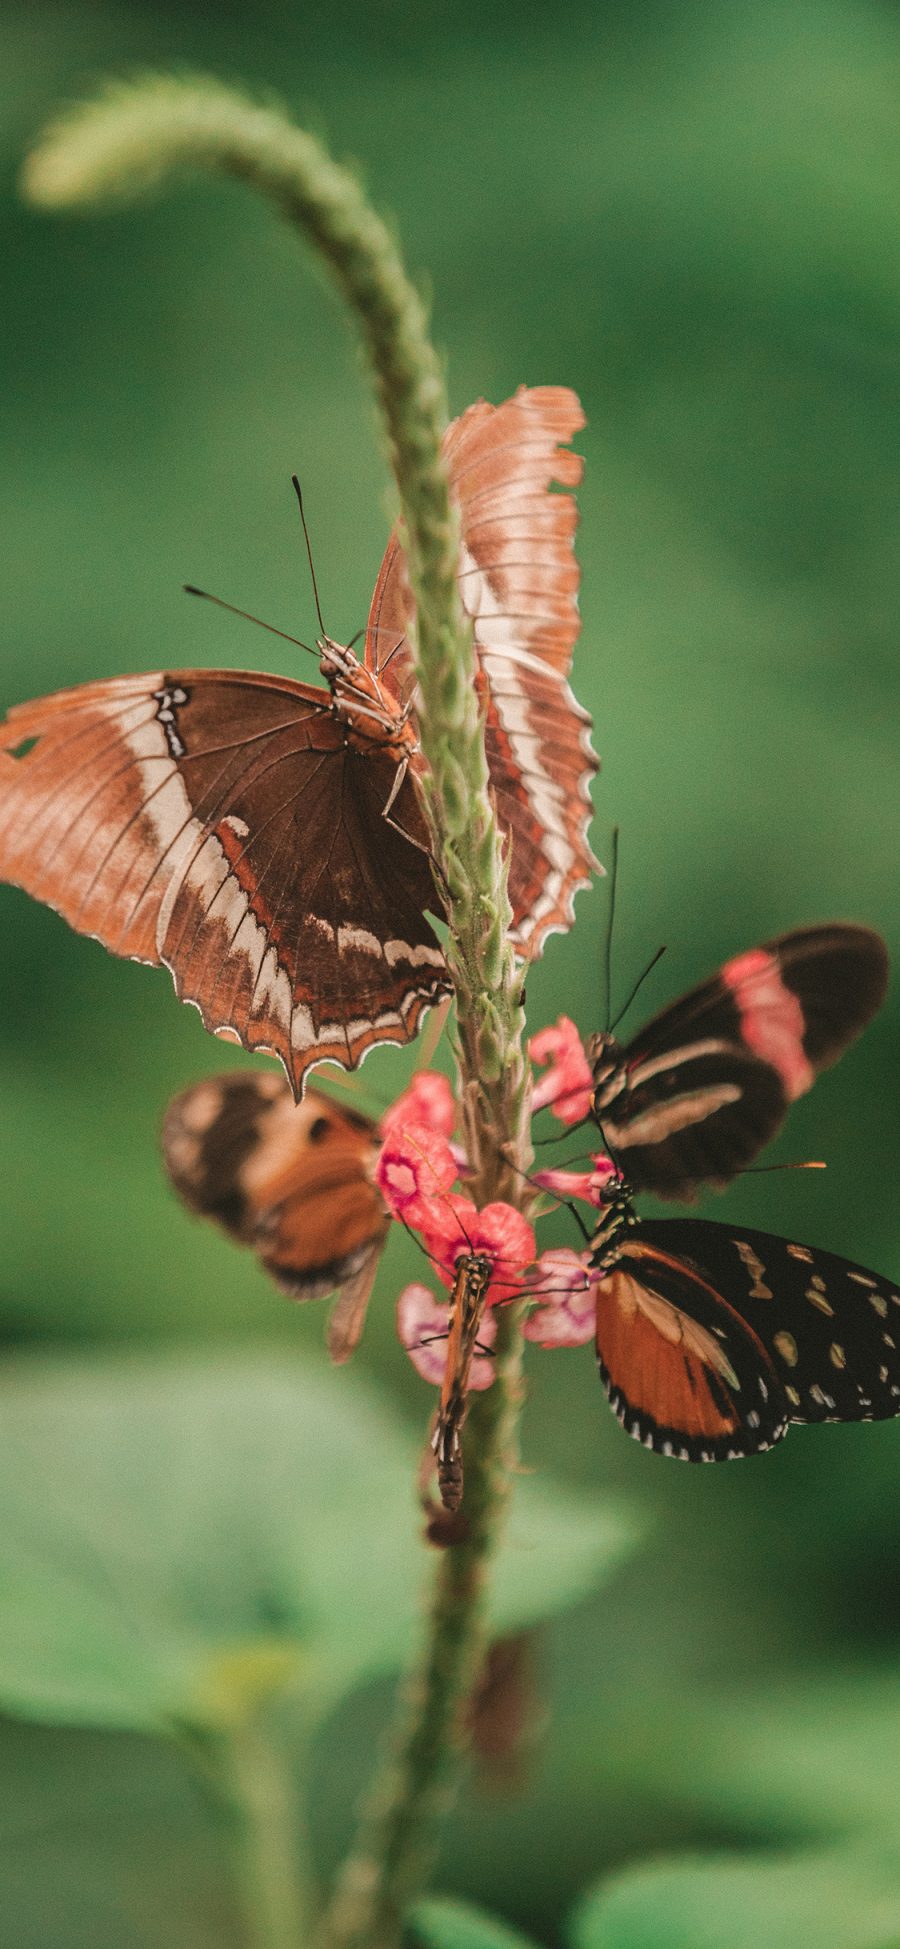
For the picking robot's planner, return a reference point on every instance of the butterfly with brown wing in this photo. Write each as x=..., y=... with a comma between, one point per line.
x=231, y=826
x=292, y=1181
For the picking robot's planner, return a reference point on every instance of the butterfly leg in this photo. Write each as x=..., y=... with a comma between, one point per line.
x=585, y=1231
x=396, y=788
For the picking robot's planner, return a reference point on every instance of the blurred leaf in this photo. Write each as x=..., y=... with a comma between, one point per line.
x=815, y=1756
x=182, y=1539
x=455, y=1925
x=105, y=1840
x=834, y=1901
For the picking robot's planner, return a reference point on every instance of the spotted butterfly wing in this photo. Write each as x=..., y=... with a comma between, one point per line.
x=222, y=823
x=519, y=584
x=712, y=1339
x=293, y=1181
x=708, y=1082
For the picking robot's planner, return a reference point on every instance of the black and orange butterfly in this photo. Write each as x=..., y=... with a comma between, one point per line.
x=712, y=1338
x=292, y=1181
x=701, y=1089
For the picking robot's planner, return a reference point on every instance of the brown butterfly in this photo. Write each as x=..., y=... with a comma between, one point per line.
x=263, y=838
x=291, y=1180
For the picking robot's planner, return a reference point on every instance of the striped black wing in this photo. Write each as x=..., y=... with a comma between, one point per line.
x=829, y=1329
x=685, y=1373
x=709, y=1080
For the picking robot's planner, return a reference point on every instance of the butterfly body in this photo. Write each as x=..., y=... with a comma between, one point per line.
x=709, y=1080
x=466, y=1311
x=369, y=713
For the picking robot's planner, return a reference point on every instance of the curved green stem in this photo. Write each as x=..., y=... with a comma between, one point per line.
x=253, y=1780
x=133, y=136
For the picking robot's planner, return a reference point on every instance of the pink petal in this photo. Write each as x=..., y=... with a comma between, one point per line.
x=452, y=1225
x=429, y=1100
x=566, y=1318
x=448, y=1226
x=589, y=1185
x=422, y=1329
x=415, y=1164
x=502, y=1231
x=568, y=1084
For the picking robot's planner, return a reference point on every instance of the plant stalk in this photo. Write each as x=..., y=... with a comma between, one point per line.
x=133, y=136
x=413, y=1786
x=273, y=1875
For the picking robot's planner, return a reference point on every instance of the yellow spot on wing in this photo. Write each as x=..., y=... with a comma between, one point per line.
x=755, y=1267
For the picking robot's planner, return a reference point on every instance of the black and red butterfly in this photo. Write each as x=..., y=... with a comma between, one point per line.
x=264, y=838
x=712, y=1338
x=701, y=1089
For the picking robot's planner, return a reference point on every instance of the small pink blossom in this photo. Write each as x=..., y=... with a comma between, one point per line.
x=453, y=1225
x=415, y=1168
x=567, y=1086
x=422, y=1330
x=566, y=1316
x=429, y=1099
x=589, y=1185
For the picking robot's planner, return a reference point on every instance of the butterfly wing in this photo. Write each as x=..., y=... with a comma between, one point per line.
x=709, y=1080
x=217, y=822
x=291, y=1180
x=519, y=584
x=685, y=1374
x=826, y=1332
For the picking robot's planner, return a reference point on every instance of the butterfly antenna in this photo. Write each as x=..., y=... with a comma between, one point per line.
x=296, y=486
x=607, y=948
x=559, y=1202
x=804, y=1164
x=246, y=617
x=392, y=653
x=638, y=984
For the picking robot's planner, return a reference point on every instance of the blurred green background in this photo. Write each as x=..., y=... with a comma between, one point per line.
x=690, y=214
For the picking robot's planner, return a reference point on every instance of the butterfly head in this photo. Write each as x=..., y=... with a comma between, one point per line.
x=370, y=714
x=616, y=1215
x=475, y=1269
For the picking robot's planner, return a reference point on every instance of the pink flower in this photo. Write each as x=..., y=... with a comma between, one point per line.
x=415, y=1168
x=429, y=1100
x=453, y=1225
x=422, y=1329
x=589, y=1185
x=566, y=1316
x=568, y=1085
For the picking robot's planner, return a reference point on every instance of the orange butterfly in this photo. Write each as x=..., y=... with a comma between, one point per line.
x=293, y=1181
